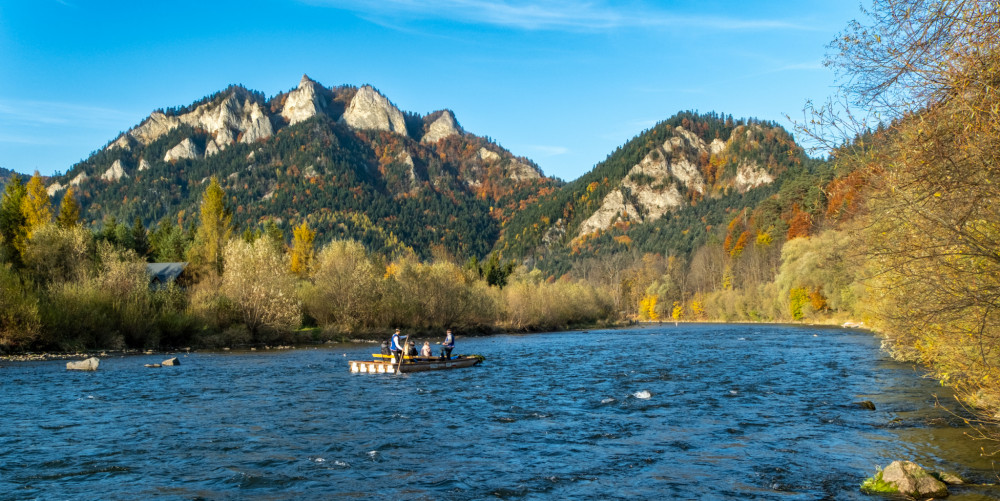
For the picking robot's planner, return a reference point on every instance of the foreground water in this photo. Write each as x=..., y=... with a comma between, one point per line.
x=689, y=412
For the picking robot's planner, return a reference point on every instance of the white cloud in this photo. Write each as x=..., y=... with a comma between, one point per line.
x=554, y=15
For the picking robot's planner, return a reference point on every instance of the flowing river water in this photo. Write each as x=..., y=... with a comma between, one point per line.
x=655, y=412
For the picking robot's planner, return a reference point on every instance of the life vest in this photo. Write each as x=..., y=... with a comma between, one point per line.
x=394, y=346
x=449, y=341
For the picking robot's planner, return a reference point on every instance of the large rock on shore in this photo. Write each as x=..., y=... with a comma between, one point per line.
x=89, y=364
x=914, y=481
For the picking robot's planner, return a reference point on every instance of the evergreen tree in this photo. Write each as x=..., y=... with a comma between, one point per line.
x=140, y=241
x=69, y=210
x=13, y=225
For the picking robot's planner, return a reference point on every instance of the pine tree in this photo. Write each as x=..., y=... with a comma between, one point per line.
x=302, y=249
x=13, y=226
x=69, y=210
x=35, y=205
x=140, y=241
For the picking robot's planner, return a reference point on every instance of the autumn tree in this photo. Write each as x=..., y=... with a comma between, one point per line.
x=930, y=71
x=346, y=290
x=261, y=291
x=69, y=209
x=35, y=205
x=302, y=249
x=214, y=229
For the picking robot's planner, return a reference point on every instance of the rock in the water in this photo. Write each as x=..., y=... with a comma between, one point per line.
x=866, y=404
x=152, y=365
x=171, y=361
x=950, y=478
x=89, y=364
x=912, y=480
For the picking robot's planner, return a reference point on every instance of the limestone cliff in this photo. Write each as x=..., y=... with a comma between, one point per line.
x=184, y=149
x=115, y=172
x=371, y=110
x=654, y=186
x=304, y=102
x=442, y=127
x=221, y=118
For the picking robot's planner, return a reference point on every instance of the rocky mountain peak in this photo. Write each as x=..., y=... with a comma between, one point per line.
x=371, y=110
x=442, y=127
x=304, y=102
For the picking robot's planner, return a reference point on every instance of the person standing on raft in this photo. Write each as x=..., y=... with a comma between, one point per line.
x=396, y=347
x=447, y=345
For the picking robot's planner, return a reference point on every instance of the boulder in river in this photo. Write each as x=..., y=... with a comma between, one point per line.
x=912, y=480
x=171, y=361
x=866, y=404
x=89, y=364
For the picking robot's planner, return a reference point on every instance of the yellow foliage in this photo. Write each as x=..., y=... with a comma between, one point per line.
x=678, y=311
x=647, y=307
x=35, y=206
x=302, y=249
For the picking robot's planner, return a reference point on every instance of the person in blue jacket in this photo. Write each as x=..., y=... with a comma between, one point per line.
x=396, y=347
x=447, y=345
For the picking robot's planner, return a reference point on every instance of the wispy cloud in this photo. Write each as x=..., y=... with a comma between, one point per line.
x=549, y=151
x=50, y=113
x=553, y=15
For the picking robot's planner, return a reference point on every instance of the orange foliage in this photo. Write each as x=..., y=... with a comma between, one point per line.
x=800, y=224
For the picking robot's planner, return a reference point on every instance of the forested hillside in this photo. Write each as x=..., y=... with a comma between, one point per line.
x=670, y=190
x=345, y=160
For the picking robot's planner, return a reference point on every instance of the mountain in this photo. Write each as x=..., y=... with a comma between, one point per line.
x=6, y=174
x=345, y=159
x=668, y=189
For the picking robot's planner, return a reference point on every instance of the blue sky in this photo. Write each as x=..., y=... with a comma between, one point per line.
x=562, y=82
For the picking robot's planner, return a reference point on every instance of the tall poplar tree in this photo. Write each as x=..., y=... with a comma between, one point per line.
x=214, y=230
x=302, y=249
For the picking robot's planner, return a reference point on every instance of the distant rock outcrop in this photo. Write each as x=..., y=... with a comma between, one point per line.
x=444, y=126
x=184, y=149
x=371, y=110
x=143, y=165
x=54, y=188
x=115, y=172
x=653, y=187
x=89, y=364
x=488, y=155
x=303, y=103
x=81, y=177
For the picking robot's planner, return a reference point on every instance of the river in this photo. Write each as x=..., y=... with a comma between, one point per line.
x=658, y=412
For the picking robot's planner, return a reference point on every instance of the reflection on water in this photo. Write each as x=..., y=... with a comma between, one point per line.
x=689, y=412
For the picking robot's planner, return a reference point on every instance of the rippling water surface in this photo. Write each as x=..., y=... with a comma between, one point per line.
x=689, y=412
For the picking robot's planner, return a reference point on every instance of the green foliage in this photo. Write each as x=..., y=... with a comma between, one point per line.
x=875, y=485
x=13, y=224
x=19, y=321
x=798, y=298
